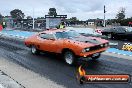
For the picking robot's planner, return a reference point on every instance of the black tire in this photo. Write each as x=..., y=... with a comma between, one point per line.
x=34, y=50
x=96, y=57
x=69, y=57
x=110, y=36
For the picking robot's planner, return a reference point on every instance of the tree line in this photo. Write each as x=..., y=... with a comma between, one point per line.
x=18, y=15
x=120, y=18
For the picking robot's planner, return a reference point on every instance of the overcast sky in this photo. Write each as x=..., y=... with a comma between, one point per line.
x=82, y=9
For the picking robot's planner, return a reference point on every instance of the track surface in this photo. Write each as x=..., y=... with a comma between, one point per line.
x=53, y=67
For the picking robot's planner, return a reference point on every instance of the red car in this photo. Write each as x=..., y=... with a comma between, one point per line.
x=69, y=43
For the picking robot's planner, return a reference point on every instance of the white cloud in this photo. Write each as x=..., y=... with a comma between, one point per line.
x=83, y=9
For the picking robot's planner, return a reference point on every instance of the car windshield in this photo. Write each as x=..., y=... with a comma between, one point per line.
x=129, y=29
x=67, y=34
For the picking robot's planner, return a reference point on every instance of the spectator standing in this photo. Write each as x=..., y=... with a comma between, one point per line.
x=62, y=25
x=4, y=24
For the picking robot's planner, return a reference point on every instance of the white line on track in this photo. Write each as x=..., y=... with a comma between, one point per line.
x=117, y=55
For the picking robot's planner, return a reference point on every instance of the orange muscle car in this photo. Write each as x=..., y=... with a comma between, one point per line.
x=69, y=43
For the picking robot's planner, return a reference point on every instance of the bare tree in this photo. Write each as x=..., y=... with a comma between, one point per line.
x=121, y=14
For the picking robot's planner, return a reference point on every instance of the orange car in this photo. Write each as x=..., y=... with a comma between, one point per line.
x=68, y=43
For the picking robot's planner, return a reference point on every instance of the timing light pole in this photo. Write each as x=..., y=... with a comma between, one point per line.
x=104, y=16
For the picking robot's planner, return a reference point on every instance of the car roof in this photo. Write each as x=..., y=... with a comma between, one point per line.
x=51, y=31
x=120, y=27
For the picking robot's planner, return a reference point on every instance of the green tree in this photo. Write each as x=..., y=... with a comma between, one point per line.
x=125, y=22
x=74, y=19
x=121, y=14
x=52, y=12
x=17, y=14
x=40, y=17
x=29, y=17
x=1, y=18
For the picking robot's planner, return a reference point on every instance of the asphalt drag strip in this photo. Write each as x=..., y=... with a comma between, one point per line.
x=53, y=68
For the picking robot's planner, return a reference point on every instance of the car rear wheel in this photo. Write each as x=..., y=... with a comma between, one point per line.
x=96, y=56
x=69, y=57
x=110, y=36
x=34, y=50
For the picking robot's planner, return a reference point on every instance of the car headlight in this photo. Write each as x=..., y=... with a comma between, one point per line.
x=107, y=44
x=85, y=50
x=102, y=45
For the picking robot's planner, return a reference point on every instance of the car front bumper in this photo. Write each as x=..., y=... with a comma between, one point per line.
x=90, y=53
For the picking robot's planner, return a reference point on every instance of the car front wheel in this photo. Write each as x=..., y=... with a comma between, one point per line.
x=34, y=50
x=69, y=57
x=110, y=36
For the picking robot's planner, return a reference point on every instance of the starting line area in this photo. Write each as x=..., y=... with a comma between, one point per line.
x=121, y=52
x=25, y=34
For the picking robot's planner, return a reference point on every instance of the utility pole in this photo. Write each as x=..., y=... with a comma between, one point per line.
x=104, y=16
x=33, y=18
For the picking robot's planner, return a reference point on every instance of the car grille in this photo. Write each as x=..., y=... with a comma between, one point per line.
x=97, y=47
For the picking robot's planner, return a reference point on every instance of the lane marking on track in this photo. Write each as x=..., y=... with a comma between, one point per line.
x=118, y=53
x=16, y=36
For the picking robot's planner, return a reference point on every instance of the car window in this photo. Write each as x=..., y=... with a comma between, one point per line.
x=68, y=34
x=59, y=35
x=119, y=29
x=129, y=29
x=47, y=36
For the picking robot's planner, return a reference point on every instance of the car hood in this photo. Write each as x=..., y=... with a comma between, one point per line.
x=87, y=40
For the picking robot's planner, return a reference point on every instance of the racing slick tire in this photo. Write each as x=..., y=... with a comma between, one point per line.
x=95, y=57
x=69, y=58
x=110, y=36
x=34, y=50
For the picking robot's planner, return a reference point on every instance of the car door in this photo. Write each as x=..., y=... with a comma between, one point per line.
x=120, y=32
x=48, y=42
